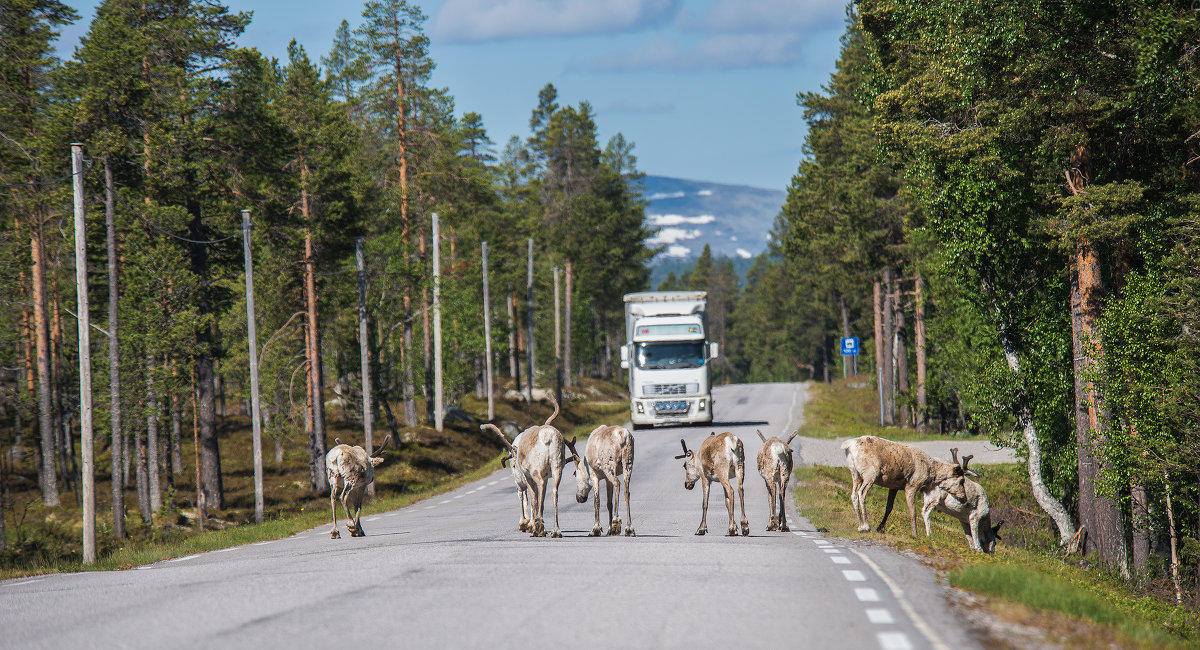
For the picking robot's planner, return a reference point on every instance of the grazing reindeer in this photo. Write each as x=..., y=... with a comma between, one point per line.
x=895, y=466
x=720, y=458
x=966, y=501
x=350, y=470
x=539, y=456
x=609, y=455
x=775, y=466
x=510, y=460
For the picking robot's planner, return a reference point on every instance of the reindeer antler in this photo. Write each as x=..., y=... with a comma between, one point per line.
x=386, y=441
x=965, y=460
x=685, y=449
x=760, y=435
x=954, y=455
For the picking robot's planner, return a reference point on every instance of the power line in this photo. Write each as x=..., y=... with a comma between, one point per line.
x=48, y=182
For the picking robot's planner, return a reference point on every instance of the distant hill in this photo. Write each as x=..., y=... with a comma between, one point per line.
x=735, y=220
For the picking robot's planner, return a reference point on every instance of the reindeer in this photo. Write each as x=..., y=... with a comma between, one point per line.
x=966, y=501
x=510, y=461
x=539, y=457
x=775, y=466
x=720, y=458
x=350, y=470
x=895, y=466
x=609, y=455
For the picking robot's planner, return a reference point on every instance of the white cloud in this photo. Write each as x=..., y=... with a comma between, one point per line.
x=658, y=196
x=720, y=52
x=758, y=16
x=744, y=254
x=677, y=251
x=678, y=219
x=733, y=239
x=476, y=21
x=704, y=193
x=672, y=235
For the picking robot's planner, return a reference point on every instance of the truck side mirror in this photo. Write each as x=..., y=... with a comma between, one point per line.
x=624, y=357
x=714, y=350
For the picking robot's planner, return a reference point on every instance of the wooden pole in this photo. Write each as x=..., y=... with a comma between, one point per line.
x=364, y=354
x=438, y=406
x=86, y=432
x=529, y=314
x=487, y=337
x=252, y=342
x=558, y=370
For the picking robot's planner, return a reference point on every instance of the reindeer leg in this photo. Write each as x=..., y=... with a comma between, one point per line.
x=335, y=533
x=555, y=475
x=539, y=522
x=614, y=525
x=773, y=522
x=741, y=493
x=523, y=495
x=887, y=511
x=345, y=499
x=858, y=495
x=597, y=530
x=783, y=503
x=910, y=498
x=704, y=507
x=628, y=515
x=728, y=488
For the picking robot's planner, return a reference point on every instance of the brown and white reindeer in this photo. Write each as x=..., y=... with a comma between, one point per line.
x=895, y=466
x=510, y=460
x=719, y=458
x=350, y=470
x=775, y=466
x=609, y=455
x=966, y=501
x=539, y=456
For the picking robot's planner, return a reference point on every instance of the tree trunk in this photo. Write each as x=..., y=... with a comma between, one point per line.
x=514, y=342
x=176, y=434
x=1141, y=520
x=889, y=352
x=919, y=315
x=47, y=476
x=901, y=348
x=152, y=411
x=567, y=326
x=210, y=451
x=114, y=346
x=316, y=380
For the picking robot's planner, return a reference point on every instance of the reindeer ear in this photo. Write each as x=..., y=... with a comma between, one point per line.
x=681, y=456
x=376, y=460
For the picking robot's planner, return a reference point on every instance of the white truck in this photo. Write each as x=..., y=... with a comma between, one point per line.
x=667, y=353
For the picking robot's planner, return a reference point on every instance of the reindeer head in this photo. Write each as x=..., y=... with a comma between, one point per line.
x=583, y=475
x=962, y=465
x=989, y=535
x=511, y=456
x=377, y=457
x=690, y=466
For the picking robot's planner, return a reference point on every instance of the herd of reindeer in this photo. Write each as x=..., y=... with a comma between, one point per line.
x=538, y=455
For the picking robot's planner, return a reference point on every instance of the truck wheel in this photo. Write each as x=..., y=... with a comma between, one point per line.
x=639, y=427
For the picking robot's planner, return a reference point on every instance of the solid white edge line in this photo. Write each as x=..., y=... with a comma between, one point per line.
x=934, y=640
x=186, y=557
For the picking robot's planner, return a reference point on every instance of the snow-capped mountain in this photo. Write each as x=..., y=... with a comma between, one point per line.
x=735, y=220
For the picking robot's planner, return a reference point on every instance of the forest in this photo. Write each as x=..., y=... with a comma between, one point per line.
x=999, y=199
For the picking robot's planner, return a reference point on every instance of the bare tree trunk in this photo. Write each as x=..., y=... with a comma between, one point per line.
x=567, y=326
x=1141, y=519
x=152, y=412
x=922, y=400
x=901, y=348
x=176, y=434
x=889, y=354
x=514, y=342
x=316, y=452
x=210, y=450
x=114, y=346
x=47, y=476
x=143, y=488
x=1174, y=540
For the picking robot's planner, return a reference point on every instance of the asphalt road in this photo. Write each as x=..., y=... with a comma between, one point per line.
x=454, y=572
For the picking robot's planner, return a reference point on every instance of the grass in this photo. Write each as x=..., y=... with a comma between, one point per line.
x=850, y=408
x=425, y=463
x=1026, y=581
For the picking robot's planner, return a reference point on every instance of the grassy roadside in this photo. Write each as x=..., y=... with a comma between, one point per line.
x=425, y=464
x=1027, y=584
x=848, y=408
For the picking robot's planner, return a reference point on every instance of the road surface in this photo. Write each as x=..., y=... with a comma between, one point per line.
x=454, y=572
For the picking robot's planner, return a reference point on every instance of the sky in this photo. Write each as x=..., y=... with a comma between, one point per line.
x=705, y=89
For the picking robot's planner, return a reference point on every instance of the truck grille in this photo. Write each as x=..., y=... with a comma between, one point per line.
x=652, y=390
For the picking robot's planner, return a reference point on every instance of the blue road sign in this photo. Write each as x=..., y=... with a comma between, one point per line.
x=850, y=346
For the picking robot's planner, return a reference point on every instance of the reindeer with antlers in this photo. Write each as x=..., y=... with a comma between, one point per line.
x=720, y=458
x=966, y=501
x=775, y=466
x=350, y=470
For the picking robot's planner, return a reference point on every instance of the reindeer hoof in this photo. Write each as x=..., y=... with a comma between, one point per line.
x=596, y=531
x=863, y=528
x=556, y=533
x=745, y=529
x=701, y=531
x=335, y=534
x=784, y=527
x=358, y=532
x=523, y=527
x=629, y=532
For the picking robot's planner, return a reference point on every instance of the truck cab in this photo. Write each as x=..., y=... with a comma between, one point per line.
x=667, y=354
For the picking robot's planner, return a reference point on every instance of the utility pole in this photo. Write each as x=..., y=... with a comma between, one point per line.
x=364, y=353
x=252, y=343
x=438, y=406
x=86, y=433
x=487, y=338
x=529, y=311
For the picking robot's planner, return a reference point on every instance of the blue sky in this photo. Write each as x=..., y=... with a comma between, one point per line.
x=706, y=89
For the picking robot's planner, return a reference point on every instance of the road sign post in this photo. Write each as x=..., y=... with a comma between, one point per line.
x=849, y=349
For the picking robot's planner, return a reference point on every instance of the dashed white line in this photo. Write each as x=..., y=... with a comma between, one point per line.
x=832, y=551
x=372, y=519
x=880, y=616
x=186, y=557
x=430, y=507
x=853, y=575
x=493, y=482
x=264, y=543
x=893, y=641
x=225, y=550
x=443, y=502
x=459, y=496
x=840, y=559
x=391, y=514
x=867, y=595
x=24, y=582
x=934, y=640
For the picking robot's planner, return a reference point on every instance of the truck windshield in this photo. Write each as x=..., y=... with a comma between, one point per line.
x=670, y=354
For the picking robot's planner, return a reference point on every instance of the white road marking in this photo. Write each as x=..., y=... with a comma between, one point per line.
x=867, y=595
x=893, y=641
x=880, y=616
x=372, y=519
x=934, y=640
x=264, y=543
x=832, y=551
x=24, y=582
x=459, y=496
x=853, y=575
x=186, y=557
x=493, y=482
x=391, y=514
x=443, y=502
x=430, y=507
x=225, y=550
x=840, y=559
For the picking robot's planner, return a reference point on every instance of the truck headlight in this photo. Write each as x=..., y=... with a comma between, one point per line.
x=703, y=403
x=640, y=409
